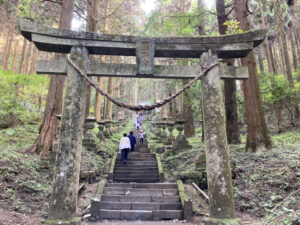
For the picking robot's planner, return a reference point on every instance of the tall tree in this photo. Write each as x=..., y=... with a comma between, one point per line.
x=232, y=125
x=189, y=128
x=291, y=32
x=93, y=12
x=283, y=47
x=21, y=61
x=282, y=40
x=100, y=79
x=266, y=43
x=258, y=138
x=55, y=93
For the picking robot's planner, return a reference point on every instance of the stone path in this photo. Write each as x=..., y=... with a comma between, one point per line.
x=136, y=193
x=175, y=222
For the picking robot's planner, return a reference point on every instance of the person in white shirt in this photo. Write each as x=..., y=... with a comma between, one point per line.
x=124, y=146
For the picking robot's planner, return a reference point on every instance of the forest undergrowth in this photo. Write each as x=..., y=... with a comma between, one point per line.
x=25, y=178
x=266, y=185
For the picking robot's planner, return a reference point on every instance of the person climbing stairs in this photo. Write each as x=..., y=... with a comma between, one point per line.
x=136, y=192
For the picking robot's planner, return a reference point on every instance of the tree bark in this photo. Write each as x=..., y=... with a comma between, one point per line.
x=189, y=128
x=93, y=10
x=258, y=137
x=100, y=79
x=7, y=50
x=266, y=42
x=297, y=42
x=295, y=63
x=22, y=55
x=269, y=46
x=13, y=65
x=108, y=107
x=260, y=60
x=232, y=123
x=28, y=59
x=282, y=40
x=55, y=93
x=32, y=69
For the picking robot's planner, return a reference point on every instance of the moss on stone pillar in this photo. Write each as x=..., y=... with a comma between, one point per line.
x=63, y=201
x=216, y=148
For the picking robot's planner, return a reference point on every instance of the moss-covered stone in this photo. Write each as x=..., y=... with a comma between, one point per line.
x=100, y=189
x=73, y=221
x=213, y=221
x=216, y=148
x=63, y=201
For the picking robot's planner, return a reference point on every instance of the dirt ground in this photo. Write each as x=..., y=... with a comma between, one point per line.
x=13, y=218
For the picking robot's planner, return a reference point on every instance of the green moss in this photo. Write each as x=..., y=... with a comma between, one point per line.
x=73, y=221
x=113, y=162
x=214, y=221
x=100, y=189
x=160, y=168
x=182, y=194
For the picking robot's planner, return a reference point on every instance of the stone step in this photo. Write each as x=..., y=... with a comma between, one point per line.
x=135, y=173
x=140, y=214
x=140, y=191
x=129, y=163
x=135, y=167
x=139, y=205
x=135, y=158
x=141, y=154
x=138, y=163
x=137, y=180
x=130, y=198
x=138, y=176
x=145, y=185
x=132, y=171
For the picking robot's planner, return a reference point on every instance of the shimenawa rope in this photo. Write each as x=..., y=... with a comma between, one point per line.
x=140, y=107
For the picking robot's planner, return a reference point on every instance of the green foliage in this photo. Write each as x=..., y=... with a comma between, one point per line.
x=24, y=177
x=276, y=89
x=36, y=10
x=164, y=23
x=19, y=97
x=233, y=27
x=278, y=94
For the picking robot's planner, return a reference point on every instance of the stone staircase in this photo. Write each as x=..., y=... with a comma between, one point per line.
x=140, y=201
x=140, y=168
x=136, y=193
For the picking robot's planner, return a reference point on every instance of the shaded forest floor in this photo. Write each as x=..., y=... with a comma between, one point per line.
x=266, y=185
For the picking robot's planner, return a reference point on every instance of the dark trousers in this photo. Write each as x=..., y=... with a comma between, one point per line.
x=127, y=153
x=141, y=140
x=124, y=155
x=132, y=148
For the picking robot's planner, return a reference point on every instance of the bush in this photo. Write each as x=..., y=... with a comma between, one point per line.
x=20, y=98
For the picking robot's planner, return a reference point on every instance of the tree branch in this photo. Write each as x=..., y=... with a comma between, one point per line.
x=109, y=15
x=230, y=11
x=53, y=1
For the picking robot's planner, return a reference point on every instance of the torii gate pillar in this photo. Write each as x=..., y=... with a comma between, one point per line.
x=216, y=149
x=63, y=201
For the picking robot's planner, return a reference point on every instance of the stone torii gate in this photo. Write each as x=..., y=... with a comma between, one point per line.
x=63, y=200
